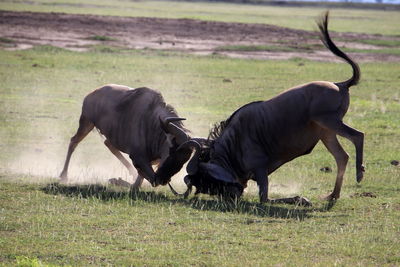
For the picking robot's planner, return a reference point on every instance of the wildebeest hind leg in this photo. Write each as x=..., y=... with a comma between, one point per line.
x=85, y=126
x=138, y=182
x=332, y=123
x=332, y=144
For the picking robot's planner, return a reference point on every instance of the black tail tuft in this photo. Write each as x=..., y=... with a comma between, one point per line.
x=326, y=39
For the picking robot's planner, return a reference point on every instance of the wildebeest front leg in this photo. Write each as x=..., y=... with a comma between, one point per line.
x=139, y=179
x=144, y=169
x=262, y=182
x=119, y=156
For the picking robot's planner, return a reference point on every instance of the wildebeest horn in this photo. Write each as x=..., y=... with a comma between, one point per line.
x=192, y=166
x=185, y=195
x=199, y=140
x=171, y=128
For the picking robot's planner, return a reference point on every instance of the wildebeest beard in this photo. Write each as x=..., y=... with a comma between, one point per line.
x=210, y=178
x=207, y=184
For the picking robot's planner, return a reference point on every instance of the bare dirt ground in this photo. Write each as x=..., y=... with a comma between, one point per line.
x=21, y=30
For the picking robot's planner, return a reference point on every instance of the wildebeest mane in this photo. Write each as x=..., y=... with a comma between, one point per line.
x=216, y=132
x=219, y=128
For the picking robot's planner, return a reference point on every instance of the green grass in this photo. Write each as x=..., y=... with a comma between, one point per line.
x=6, y=40
x=388, y=51
x=387, y=43
x=42, y=222
x=343, y=20
x=82, y=226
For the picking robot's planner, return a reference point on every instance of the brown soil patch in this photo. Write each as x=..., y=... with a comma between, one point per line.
x=71, y=31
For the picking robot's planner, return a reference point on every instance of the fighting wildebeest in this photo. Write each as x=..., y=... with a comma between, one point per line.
x=137, y=122
x=261, y=136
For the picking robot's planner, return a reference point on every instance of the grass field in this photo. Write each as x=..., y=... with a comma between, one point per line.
x=44, y=223
x=40, y=103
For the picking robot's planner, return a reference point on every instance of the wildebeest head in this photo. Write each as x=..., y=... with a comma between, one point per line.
x=209, y=178
x=178, y=156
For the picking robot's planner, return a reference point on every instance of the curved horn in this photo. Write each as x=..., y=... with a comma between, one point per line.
x=169, y=127
x=185, y=195
x=202, y=141
x=192, y=167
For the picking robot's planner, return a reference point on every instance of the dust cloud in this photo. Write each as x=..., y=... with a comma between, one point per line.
x=291, y=188
x=90, y=163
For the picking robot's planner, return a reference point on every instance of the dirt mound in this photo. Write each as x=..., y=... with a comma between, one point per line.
x=79, y=32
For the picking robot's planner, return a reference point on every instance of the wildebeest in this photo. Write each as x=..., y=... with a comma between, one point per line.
x=261, y=136
x=137, y=122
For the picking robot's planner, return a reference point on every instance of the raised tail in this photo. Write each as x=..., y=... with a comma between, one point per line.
x=326, y=39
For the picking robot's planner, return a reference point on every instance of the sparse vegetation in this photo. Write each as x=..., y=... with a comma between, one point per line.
x=6, y=40
x=105, y=49
x=101, y=38
x=248, y=48
x=388, y=51
x=387, y=43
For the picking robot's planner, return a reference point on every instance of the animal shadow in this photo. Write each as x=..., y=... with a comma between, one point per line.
x=103, y=192
x=240, y=206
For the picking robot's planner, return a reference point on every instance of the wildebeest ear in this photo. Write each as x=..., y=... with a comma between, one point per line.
x=218, y=173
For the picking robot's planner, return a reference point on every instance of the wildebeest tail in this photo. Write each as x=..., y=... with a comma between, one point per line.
x=326, y=39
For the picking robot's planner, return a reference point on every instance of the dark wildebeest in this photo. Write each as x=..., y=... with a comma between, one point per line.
x=137, y=122
x=261, y=136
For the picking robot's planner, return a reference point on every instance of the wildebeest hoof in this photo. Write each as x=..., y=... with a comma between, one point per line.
x=360, y=173
x=330, y=197
x=63, y=177
x=302, y=201
x=63, y=180
x=134, y=189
